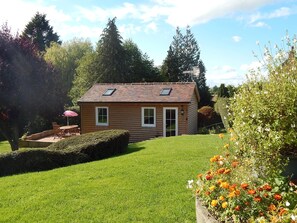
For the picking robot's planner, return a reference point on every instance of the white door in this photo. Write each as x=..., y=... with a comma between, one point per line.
x=170, y=122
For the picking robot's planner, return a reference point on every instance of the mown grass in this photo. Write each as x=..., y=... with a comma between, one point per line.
x=148, y=184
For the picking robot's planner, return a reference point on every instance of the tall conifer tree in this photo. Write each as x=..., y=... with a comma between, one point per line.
x=111, y=55
x=40, y=32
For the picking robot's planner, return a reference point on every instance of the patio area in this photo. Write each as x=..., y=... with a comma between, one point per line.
x=45, y=138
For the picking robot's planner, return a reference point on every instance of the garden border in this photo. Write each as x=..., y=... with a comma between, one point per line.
x=202, y=214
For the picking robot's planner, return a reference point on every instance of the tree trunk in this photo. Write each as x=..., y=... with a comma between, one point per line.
x=10, y=131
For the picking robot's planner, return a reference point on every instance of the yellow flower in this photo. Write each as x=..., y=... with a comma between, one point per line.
x=211, y=188
x=232, y=194
x=226, y=146
x=214, y=203
x=225, y=204
x=221, y=135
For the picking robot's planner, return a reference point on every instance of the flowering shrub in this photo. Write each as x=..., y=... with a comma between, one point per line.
x=264, y=111
x=228, y=193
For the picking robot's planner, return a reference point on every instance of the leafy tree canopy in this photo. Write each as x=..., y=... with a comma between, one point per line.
x=66, y=58
x=27, y=86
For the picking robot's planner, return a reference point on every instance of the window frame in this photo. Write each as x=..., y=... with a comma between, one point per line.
x=107, y=116
x=165, y=91
x=143, y=118
x=109, y=92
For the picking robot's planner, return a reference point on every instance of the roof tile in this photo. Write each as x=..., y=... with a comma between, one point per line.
x=141, y=92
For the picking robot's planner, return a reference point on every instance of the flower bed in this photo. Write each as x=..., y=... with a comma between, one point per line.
x=230, y=199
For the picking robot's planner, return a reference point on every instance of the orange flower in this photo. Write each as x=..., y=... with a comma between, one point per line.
x=214, y=203
x=244, y=186
x=272, y=207
x=221, y=198
x=278, y=197
x=221, y=135
x=225, y=204
x=258, y=199
x=208, y=177
x=219, y=181
x=199, y=175
x=237, y=208
x=251, y=192
x=267, y=187
x=215, y=158
x=233, y=187
x=237, y=192
x=234, y=164
x=224, y=185
x=282, y=211
x=233, y=139
x=221, y=170
x=227, y=171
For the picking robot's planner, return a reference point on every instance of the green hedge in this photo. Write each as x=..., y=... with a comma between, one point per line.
x=74, y=150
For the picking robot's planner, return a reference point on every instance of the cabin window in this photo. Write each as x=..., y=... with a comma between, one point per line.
x=165, y=91
x=148, y=116
x=109, y=92
x=102, y=116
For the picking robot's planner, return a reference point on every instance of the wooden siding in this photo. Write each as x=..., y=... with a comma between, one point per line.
x=193, y=115
x=128, y=116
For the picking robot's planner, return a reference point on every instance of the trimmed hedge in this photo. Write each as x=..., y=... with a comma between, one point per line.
x=74, y=150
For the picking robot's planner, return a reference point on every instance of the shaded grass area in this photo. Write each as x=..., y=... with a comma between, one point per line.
x=4, y=147
x=148, y=184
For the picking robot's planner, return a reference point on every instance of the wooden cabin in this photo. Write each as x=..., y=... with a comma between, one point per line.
x=147, y=110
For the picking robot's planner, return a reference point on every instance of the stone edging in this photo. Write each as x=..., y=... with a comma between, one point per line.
x=202, y=214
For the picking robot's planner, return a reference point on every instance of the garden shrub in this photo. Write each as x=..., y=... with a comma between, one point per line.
x=30, y=160
x=245, y=183
x=208, y=120
x=264, y=113
x=73, y=150
x=221, y=107
x=96, y=145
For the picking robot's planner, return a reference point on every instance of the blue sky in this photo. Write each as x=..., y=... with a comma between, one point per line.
x=226, y=30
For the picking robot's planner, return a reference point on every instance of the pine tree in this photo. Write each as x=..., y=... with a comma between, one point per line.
x=183, y=63
x=40, y=32
x=111, y=55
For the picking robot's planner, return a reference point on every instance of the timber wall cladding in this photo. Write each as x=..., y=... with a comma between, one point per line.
x=193, y=116
x=128, y=116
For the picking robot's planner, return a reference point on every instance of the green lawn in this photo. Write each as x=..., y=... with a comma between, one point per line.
x=146, y=185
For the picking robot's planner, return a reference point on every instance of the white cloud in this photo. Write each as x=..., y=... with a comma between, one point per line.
x=224, y=74
x=260, y=24
x=256, y=19
x=254, y=65
x=152, y=26
x=236, y=38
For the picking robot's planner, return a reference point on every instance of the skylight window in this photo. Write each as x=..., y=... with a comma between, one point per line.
x=165, y=91
x=109, y=92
